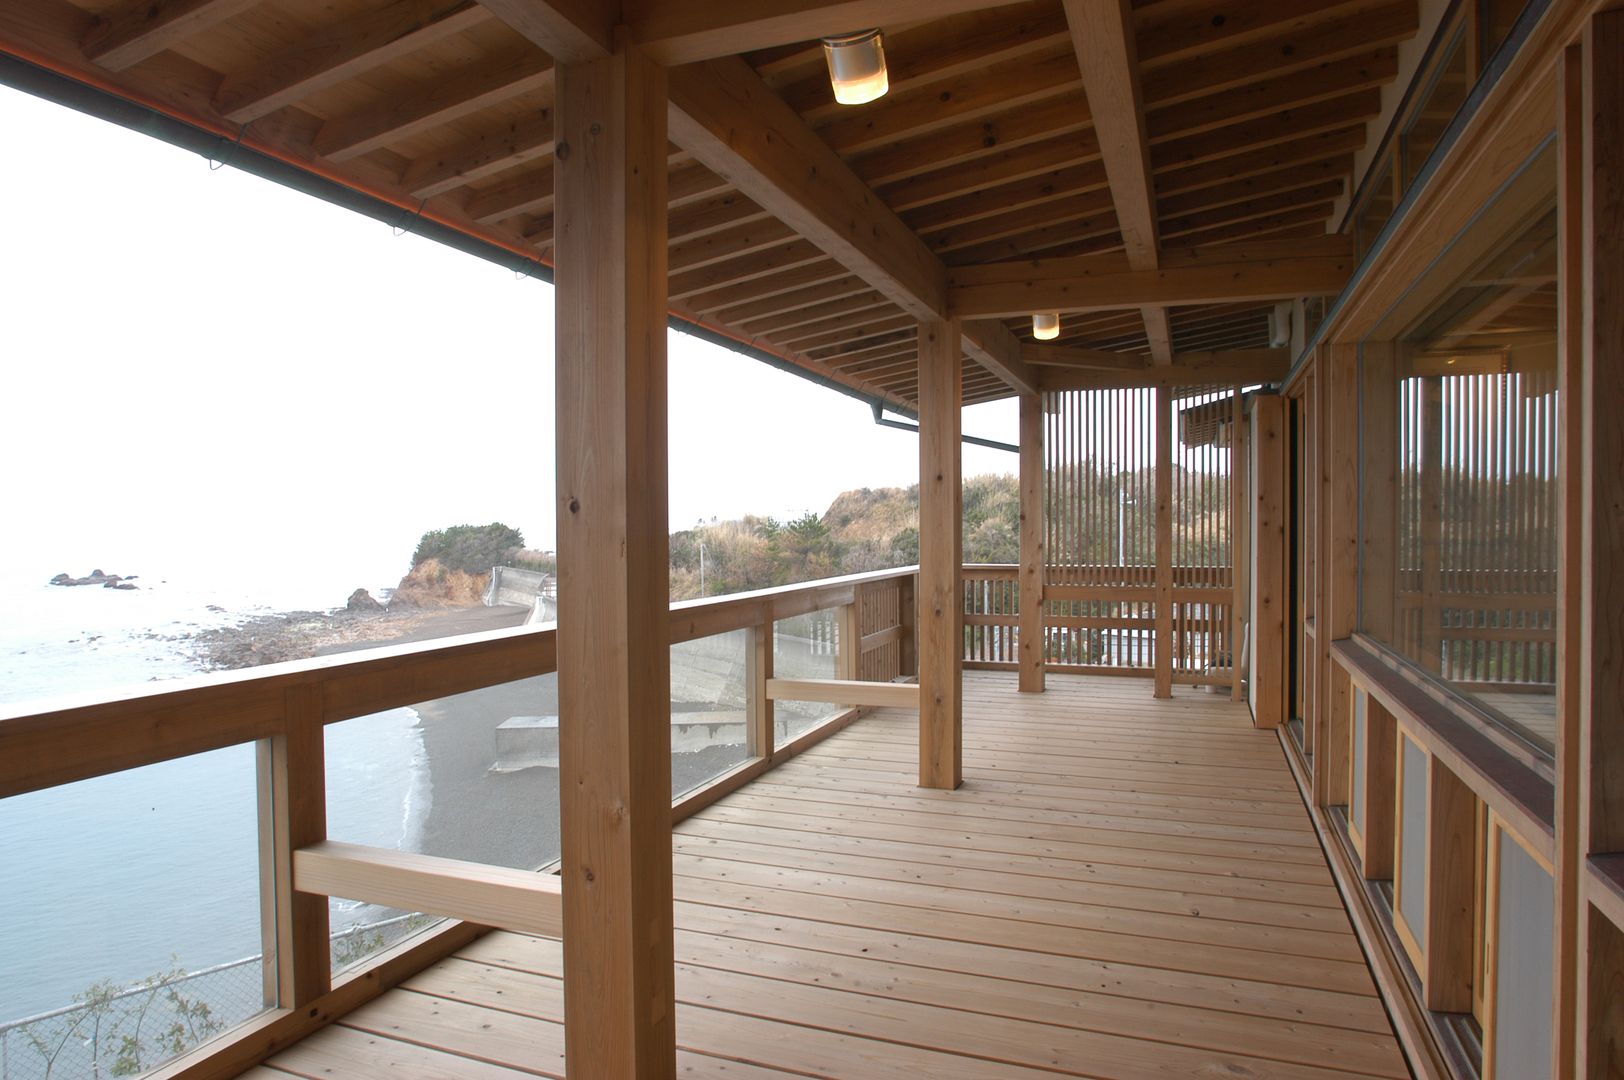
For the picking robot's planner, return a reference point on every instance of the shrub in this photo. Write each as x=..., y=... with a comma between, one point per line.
x=473, y=549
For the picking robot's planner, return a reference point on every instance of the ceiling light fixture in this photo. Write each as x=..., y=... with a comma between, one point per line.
x=857, y=66
x=1046, y=327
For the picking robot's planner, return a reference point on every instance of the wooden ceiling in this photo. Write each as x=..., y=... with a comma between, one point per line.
x=1043, y=153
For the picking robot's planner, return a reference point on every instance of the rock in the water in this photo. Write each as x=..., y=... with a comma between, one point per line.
x=106, y=581
x=361, y=600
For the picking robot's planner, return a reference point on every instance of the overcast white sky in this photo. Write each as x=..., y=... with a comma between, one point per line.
x=197, y=362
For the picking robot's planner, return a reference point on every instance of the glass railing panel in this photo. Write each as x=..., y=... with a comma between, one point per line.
x=709, y=711
x=805, y=647
x=471, y=776
x=130, y=920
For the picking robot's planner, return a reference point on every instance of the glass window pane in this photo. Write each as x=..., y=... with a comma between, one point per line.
x=1437, y=107
x=1522, y=1004
x=1377, y=209
x=1412, y=871
x=709, y=719
x=129, y=916
x=473, y=776
x=1460, y=484
x=805, y=647
x=1497, y=18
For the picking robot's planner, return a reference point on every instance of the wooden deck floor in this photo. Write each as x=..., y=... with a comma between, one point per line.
x=1122, y=888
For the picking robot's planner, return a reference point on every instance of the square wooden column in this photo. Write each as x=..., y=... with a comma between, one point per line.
x=940, y=626
x=1031, y=582
x=1598, y=264
x=1270, y=490
x=614, y=666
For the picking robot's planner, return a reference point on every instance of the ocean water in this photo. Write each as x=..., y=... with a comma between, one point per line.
x=124, y=876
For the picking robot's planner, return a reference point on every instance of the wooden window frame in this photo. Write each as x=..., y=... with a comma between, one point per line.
x=1491, y=919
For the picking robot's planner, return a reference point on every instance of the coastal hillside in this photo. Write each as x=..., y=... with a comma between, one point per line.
x=866, y=529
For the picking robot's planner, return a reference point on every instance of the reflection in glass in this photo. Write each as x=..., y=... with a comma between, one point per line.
x=805, y=647
x=1460, y=482
x=130, y=917
x=1439, y=103
x=472, y=776
x=709, y=718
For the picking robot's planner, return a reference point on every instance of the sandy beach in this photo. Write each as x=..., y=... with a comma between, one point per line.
x=475, y=813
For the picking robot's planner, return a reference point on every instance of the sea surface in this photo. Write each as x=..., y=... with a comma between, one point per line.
x=125, y=876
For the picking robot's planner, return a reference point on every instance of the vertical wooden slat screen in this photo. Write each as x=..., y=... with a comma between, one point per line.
x=1100, y=538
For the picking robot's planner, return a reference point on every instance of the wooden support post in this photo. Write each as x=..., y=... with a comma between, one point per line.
x=758, y=706
x=1240, y=534
x=1338, y=569
x=1031, y=601
x=907, y=645
x=1570, y=846
x=614, y=664
x=849, y=654
x=1600, y=265
x=1269, y=508
x=1378, y=508
x=295, y=779
x=941, y=519
x=1164, y=542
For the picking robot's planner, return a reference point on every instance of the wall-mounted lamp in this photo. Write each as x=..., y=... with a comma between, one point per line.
x=857, y=66
x=1046, y=327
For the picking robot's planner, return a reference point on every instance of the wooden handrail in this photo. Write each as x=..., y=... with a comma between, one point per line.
x=46, y=744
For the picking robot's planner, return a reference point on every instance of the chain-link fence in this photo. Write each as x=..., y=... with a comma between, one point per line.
x=114, y=1030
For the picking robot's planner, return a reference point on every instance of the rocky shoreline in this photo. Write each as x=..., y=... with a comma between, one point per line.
x=299, y=635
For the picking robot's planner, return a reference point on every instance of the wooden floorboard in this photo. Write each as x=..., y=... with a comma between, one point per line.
x=1124, y=888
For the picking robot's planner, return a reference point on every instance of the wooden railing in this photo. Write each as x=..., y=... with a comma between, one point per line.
x=284, y=709
x=1105, y=627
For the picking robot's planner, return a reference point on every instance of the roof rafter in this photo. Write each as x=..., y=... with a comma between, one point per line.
x=684, y=33
x=731, y=121
x=570, y=31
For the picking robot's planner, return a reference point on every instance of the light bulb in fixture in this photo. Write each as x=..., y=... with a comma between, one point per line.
x=857, y=66
x=1046, y=327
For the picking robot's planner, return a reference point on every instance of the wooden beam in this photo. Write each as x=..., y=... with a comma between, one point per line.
x=341, y=51
x=1102, y=37
x=1074, y=356
x=1033, y=646
x=485, y=154
x=129, y=34
x=519, y=900
x=731, y=121
x=570, y=31
x=683, y=33
x=1159, y=333
x=990, y=344
x=1236, y=366
x=614, y=682
x=853, y=692
x=437, y=101
x=1336, y=612
x=1223, y=274
x=940, y=628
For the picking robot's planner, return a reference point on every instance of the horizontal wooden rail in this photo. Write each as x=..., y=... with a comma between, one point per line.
x=521, y=900
x=845, y=692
